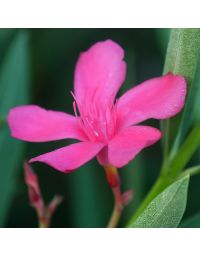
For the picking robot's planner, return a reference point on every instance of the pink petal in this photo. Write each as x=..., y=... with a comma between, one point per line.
x=129, y=142
x=99, y=73
x=71, y=157
x=158, y=98
x=35, y=124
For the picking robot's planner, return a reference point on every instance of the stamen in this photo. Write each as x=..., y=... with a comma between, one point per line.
x=75, y=110
x=98, y=124
x=77, y=102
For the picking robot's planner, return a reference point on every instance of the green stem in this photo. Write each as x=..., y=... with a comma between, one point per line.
x=165, y=127
x=190, y=171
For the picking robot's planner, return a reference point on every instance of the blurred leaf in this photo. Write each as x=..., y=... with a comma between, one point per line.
x=14, y=81
x=90, y=200
x=192, y=222
x=133, y=177
x=6, y=36
x=167, y=209
x=162, y=35
x=182, y=58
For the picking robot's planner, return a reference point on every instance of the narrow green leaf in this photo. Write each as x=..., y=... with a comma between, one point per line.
x=182, y=58
x=89, y=202
x=167, y=209
x=14, y=85
x=192, y=222
x=186, y=151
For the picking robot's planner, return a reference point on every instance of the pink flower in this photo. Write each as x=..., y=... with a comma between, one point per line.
x=106, y=128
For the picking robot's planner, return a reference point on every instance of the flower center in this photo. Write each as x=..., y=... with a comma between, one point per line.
x=98, y=124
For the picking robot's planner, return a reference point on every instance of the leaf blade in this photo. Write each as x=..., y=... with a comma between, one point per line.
x=14, y=80
x=182, y=58
x=167, y=209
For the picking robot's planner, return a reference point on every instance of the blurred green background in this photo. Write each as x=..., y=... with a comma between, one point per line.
x=36, y=66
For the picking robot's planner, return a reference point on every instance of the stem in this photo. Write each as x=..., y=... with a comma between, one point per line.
x=114, y=182
x=190, y=171
x=43, y=225
x=43, y=219
x=118, y=208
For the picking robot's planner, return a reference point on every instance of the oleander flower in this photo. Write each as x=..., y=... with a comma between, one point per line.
x=106, y=128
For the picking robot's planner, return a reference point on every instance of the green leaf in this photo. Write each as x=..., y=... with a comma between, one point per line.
x=167, y=209
x=14, y=85
x=182, y=58
x=192, y=222
x=191, y=112
x=186, y=151
x=183, y=52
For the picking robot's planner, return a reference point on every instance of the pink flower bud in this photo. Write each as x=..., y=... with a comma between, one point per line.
x=44, y=212
x=31, y=181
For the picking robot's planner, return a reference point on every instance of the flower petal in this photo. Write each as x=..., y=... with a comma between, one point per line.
x=129, y=142
x=71, y=157
x=35, y=124
x=158, y=98
x=99, y=73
